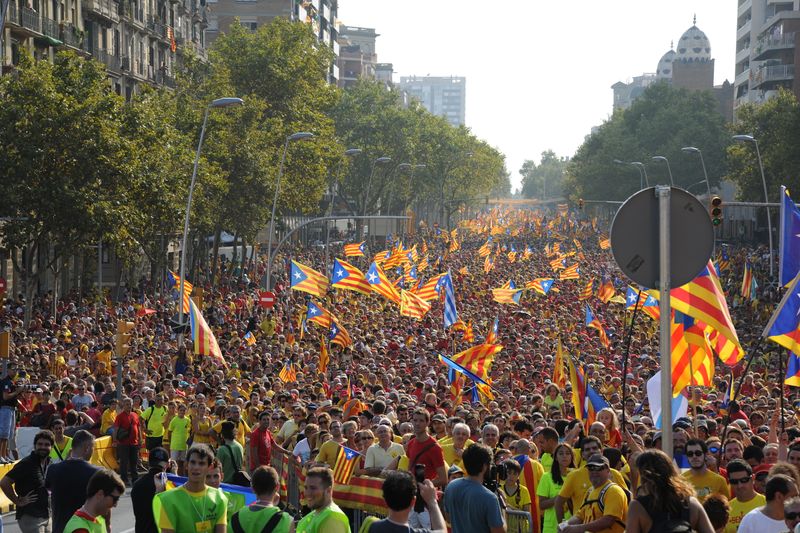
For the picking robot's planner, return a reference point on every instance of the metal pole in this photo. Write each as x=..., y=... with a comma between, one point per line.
x=100, y=271
x=769, y=220
x=663, y=194
x=186, y=226
x=272, y=217
x=366, y=200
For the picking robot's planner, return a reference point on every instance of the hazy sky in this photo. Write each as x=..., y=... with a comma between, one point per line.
x=539, y=72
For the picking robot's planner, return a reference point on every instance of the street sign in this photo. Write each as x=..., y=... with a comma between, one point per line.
x=266, y=299
x=635, y=237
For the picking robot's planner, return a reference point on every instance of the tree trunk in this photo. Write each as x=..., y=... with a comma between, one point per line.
x=215, y=254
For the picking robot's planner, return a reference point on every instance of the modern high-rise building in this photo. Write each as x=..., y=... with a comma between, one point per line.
x=767, y=50
x=139, y=41
x=357, y=57
x=443, y=96
x=321, y=15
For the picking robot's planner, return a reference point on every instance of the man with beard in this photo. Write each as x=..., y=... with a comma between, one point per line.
x=326, y=516
x=705, y=481
x=24, y=486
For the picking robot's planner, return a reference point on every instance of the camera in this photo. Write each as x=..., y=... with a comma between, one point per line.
x=494, y=476
x=419, y=476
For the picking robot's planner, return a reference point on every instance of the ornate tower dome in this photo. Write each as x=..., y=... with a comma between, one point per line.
x=693, y=46
x=664, y=69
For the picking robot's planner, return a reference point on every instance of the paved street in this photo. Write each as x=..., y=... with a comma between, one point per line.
x=121, y=519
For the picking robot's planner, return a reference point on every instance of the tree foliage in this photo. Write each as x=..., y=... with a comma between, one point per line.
x=544, y=180
x=661, y=122
x=776, y=126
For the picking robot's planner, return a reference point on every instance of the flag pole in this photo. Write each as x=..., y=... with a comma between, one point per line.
x=782, y=382
x=627, y=356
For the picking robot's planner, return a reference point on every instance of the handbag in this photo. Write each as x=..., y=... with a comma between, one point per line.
x=240, y=477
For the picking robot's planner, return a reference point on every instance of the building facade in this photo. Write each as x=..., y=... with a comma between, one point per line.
x=766, y=49
x=443, y=96
x=139, y=41
x=321, y=15
x=357, y=57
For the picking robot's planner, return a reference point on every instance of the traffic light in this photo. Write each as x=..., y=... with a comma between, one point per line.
x=716, y=210
x=123, y=336
x=580, y=204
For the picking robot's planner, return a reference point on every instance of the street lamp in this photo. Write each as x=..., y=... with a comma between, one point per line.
x=299, y=136
x=751, y=139
x=218, y=103
x=665, y=160
x=643, y=169
x=381, y=160
x=350, y=152
x=641, y=176
x=693, y=150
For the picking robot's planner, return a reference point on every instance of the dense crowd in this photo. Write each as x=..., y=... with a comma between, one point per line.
x=388, y=398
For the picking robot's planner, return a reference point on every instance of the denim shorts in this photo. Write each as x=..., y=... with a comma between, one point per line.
x=7, y=422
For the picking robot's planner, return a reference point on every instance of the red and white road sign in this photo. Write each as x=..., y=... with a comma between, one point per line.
x=266, y=299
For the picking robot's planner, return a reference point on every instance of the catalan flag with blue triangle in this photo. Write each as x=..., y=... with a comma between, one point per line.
x=593, y=322
x=318, y=315
x=784, y=326
x=789, y=247
x=492, y=335
x=306, y=279
x=347, y=276
x=345, y=465
x=540, y=285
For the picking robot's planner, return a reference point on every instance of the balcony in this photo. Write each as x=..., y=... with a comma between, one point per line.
x=12, y=15
x=71, y=36
x=126, y=64
x=156, y=27
x=105, y=9
x=768, y=47
x=111, y=61
x=162, y=78
x=744, y=7
x=50, y=28
x=743, y=30
x=30, y=20
x=771, y=75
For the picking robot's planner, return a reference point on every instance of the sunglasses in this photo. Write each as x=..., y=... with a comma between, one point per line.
x=739, y=481
x=595, y=468
x=115, y=497
x=792, y=516
x=697, y=453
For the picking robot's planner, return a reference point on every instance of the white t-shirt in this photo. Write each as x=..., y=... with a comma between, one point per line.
x=302, y=450
x=757, y=522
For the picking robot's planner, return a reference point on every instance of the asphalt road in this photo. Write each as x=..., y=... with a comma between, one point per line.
x=121, y=517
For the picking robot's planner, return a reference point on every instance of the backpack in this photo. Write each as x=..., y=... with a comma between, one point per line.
x=666, y=523
x=600, y=501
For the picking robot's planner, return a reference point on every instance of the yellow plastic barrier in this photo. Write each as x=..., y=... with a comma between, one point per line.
x=5, y=504
x=104, y=454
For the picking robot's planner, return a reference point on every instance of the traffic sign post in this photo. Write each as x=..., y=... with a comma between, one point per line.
x=266, y=299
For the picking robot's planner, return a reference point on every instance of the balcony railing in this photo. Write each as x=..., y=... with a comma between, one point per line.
x=70, y=36
x=50, y=28
x=772, y=73
x=12, y=15
x=105, y=8
x=108, y=59
x=771, y=43
x=31, y=20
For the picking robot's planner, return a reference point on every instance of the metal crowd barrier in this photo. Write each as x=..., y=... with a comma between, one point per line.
x=518, y=521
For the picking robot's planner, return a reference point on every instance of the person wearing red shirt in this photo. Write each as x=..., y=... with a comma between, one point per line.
x=127, y=437
x=262, y=444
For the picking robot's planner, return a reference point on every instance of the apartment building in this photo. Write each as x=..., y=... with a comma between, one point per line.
x=357, y=57
x=443, y=96
x=767, y=50
x=139, y=41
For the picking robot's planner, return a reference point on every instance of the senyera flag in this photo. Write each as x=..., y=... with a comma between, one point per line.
x=356, y=249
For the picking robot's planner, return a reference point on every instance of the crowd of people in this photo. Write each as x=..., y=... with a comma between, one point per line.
x=509, y=458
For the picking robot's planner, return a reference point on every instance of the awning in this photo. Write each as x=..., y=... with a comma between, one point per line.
x=46, y=39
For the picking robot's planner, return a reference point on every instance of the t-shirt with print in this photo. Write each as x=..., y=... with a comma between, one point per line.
x=615, y=503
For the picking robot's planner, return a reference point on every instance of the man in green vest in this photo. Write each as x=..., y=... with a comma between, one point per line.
x=153, y=418
x=326, y=517
x=102, y=494
x=263, y=514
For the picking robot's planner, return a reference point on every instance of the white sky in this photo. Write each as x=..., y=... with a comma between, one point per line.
x=539, y=72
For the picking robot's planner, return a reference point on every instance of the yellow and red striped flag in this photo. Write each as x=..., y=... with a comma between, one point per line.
x=306, y=279
x=691, y=353
x=558, y=263
x=381, y=284
x=586, y=291
x=485, y=249
x=605, y=242
x=355, y=249
x=478, y=359
x=571, y=272
x=488, y=264
x=347, y=276
x=606, y=290
x=187, y=288
x=559, y=377
x=288, y=374
x=412, y=305
x=202, y=337
x=428, y=291
x=345, y=464
x=506, y=296
x=469, y=335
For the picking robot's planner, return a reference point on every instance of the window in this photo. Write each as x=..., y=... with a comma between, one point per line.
x=249, y=23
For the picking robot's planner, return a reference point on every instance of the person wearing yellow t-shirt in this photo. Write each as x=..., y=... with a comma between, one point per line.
x=104, y=356
x=604, y=508
x=461, y=441
x=705, y=481
x=517, y=497
x=578, y=482
x=740, y=476
x=243, y=430
x=153, y=418
x=109, y=415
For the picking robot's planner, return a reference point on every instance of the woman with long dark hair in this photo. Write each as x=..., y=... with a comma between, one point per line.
x=663, y=495
x=550, y=485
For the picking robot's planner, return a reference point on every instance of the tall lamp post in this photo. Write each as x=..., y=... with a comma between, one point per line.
x=299, y=136
x=643, y=169
x=669, y=169
x=350, y=152
x=751, y=139
x=641, y=176
x=381, y=160
x=693, y=150
x=218, y=103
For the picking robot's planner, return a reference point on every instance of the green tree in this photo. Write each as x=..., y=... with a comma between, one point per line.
x=545, y=179
x=64, y=164
x=661, y=122
x=776, y=126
